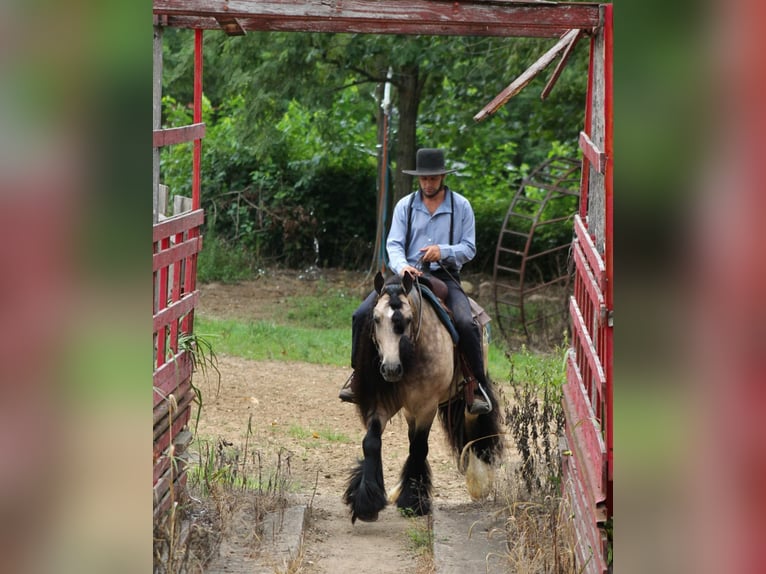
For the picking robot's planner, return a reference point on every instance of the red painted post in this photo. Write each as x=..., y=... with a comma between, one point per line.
x=197, y=118
x=609, y=255
x=191, y=263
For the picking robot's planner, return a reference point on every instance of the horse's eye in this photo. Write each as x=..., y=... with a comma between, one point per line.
x=376, y=319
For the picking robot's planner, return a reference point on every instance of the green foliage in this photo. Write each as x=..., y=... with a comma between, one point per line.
x=289, y=157
x=221, y=261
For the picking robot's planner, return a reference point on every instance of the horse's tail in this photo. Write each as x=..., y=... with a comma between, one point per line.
x=483, y=432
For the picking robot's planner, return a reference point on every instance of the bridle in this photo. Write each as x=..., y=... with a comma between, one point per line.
x=398, y=290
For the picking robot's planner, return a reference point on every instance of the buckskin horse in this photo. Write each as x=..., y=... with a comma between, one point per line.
x=410, y=363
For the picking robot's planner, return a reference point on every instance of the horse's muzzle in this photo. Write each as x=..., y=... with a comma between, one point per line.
x=392, y=372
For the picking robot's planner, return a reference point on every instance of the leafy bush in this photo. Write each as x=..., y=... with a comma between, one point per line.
x=221, y=261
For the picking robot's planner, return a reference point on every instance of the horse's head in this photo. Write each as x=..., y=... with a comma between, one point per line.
x=394, y=325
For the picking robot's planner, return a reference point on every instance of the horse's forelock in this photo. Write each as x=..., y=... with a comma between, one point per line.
x=397, y=319
x=394, y=293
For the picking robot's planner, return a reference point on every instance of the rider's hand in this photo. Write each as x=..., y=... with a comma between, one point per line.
x=411, y=270
x=431, y=253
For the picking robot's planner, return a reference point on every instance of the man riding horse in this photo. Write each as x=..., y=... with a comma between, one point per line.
x=433, y=231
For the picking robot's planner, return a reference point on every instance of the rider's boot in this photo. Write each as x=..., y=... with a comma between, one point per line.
x=346, y=393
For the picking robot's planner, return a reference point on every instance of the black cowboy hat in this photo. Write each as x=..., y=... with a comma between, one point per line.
x=429, y=161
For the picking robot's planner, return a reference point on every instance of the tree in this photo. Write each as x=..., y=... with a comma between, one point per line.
x=310, y=110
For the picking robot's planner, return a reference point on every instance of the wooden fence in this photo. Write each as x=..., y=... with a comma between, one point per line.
x=177, y=242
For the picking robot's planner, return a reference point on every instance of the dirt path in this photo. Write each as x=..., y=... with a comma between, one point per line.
x=294, y=414
x=292, y=409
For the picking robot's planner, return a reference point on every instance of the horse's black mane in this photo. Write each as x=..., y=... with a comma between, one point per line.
x=372, y=388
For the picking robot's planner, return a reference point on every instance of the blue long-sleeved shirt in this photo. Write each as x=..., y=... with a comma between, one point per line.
x=427, y=229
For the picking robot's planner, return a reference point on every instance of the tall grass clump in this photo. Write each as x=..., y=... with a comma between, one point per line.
x=223, y=261
x=539, y=532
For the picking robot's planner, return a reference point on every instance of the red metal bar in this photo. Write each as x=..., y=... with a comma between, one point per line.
x=609, y=145
x=172, y=136
x=197, y=160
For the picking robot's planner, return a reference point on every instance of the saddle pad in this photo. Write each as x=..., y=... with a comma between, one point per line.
x=440, y=311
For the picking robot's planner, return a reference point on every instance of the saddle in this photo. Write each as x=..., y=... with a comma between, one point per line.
x=435, y=291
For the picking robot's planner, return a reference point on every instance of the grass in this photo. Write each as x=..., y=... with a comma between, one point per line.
x=266, y=340
x=328, y=435
x=324, y=343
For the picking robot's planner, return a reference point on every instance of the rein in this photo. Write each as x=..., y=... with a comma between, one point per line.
x=420, y=313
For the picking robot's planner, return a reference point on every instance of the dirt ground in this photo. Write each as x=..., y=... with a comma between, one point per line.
x=295, y=416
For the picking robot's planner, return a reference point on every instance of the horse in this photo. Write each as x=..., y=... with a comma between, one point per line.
x=409, y=363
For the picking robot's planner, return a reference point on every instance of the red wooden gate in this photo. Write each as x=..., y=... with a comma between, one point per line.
x=588, y=458
x=177, y=242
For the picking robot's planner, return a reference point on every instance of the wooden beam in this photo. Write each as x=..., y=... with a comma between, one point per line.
x=560, y=66
x=230, y=25
x=527, y=76
x=171, y=136
x=596, y=157
x=177, y=224
x=437, y=17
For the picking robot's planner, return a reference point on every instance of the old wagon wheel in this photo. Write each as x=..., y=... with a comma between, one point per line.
x=530, y=277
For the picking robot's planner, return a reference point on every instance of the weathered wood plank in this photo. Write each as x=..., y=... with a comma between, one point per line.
x=443, y=17
x=580, y=330
x=178, y=224
x=584, y=435
x=589, y=281
x=184, y=400
x=560, y=66
x=591, y=253
x=527, y=76
x=588, y=543
x=163, y=441
x=596, y=157
x=175, y=310
x=172, y=136
x=175, y=370
x=177, y=253
x=230, y=25
x=162, y=408
x=162, y=500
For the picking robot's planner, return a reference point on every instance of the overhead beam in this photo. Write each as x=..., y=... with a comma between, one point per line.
x=527, y=76
x=230, y=25
x=432, y=17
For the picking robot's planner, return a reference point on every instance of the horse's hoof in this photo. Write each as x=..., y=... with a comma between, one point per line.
x=364, y=518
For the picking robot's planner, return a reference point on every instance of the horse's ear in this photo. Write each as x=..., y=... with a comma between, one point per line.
x=407, y=283
x=379, y=282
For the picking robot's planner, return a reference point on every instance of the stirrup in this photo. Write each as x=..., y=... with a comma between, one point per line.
x=346, y=393
x=480, y=406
